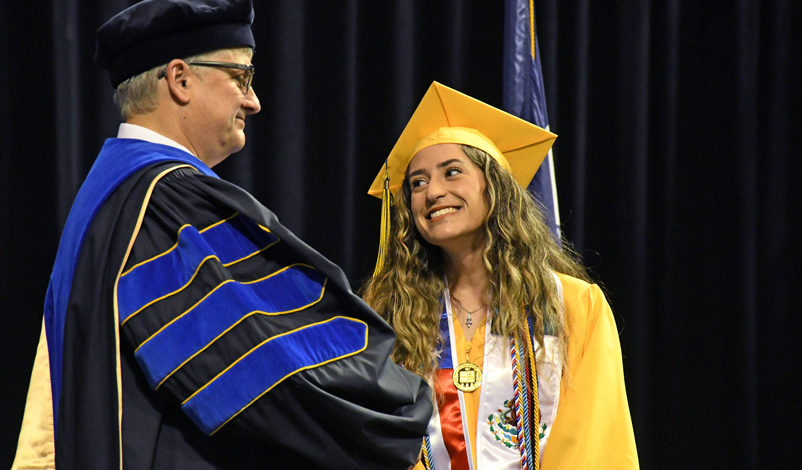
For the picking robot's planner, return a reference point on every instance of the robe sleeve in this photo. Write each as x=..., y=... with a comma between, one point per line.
x=250, y=331
x=36, y=445
x=593, y=427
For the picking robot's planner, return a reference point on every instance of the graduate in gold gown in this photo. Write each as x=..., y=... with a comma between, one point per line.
x=521, y=348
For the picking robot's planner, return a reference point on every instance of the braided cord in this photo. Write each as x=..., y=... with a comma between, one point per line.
x=520, y=401
x=426, y=456
x=535, y=401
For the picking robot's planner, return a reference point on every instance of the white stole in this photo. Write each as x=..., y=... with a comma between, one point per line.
x=496, y=440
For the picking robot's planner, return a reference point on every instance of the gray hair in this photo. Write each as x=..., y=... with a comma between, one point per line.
x=139, y=94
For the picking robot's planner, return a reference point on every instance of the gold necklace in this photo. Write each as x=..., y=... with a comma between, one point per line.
x=467, y=376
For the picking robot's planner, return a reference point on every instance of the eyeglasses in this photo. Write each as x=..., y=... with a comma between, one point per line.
x=243, y=81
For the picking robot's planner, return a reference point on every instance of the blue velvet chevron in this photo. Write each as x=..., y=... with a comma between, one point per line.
x=291, y=289
x=269, y=364
x=228, y=241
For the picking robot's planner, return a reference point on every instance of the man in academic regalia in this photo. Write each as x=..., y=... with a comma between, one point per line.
x=184, y=327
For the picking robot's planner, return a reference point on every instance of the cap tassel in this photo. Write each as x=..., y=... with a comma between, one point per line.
x=384, y=241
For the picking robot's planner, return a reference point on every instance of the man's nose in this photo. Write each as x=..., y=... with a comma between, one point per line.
x=251, y=102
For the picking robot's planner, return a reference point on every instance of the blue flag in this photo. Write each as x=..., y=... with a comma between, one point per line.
x=524, y=96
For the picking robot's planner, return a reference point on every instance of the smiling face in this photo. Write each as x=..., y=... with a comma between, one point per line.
x=220, y=108
x=447, y=198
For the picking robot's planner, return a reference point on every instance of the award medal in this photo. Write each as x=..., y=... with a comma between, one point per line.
x=467, y=376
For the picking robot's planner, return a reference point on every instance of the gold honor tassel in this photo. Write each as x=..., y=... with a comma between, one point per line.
x=384, y=241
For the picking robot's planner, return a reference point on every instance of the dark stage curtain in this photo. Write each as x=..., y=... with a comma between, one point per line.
x=679, y=143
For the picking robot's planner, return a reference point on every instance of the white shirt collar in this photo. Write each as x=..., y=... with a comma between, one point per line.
x=132, y=131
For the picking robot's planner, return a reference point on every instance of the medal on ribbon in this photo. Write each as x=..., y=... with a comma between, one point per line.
x=467, y=376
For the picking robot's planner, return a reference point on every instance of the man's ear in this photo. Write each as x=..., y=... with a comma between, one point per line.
x=178, y=80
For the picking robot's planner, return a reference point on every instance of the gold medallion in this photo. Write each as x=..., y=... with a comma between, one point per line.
x=467, y=377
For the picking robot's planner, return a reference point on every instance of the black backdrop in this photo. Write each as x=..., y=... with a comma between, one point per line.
x=678, y=153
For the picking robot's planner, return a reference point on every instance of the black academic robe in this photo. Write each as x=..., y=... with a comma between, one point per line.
x=236, y=345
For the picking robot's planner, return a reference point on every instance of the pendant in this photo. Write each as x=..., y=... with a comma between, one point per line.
x=467, y=377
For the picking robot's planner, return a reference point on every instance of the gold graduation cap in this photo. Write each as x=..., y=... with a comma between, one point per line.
x=518, y=145
x=445, y=115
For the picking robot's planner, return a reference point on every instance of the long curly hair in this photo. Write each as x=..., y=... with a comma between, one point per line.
x=519, y=257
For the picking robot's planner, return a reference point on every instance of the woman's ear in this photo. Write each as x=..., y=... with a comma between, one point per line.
x=178, y=80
